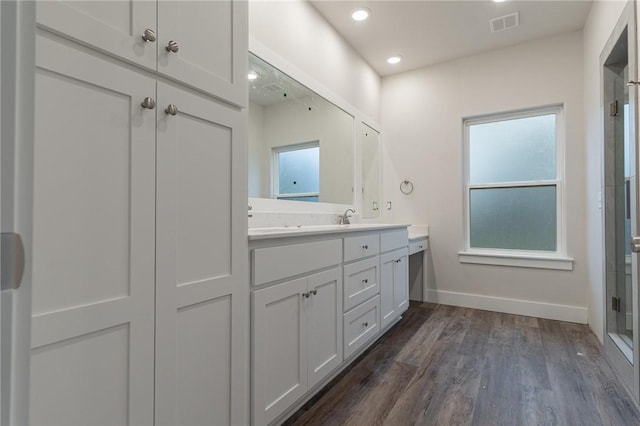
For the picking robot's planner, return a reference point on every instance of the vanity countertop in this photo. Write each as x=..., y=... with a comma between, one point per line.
x=418, y=233
x=291, y=231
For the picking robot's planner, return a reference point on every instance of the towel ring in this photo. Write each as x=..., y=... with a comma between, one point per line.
x=406, y=187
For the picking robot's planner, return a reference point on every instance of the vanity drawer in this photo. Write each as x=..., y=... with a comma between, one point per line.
x=361, y=246
x=274, y=263
x=361, y=282
x=360, y=325
x=418, y=246
x=394, y=239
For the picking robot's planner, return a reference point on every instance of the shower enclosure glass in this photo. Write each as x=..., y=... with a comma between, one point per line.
x=620, y=201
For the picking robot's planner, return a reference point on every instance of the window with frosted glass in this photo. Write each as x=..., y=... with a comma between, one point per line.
x=513, y=218
x=512, y=185
x=298, y=173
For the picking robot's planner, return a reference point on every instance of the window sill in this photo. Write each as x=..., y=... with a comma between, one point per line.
x=517, y=260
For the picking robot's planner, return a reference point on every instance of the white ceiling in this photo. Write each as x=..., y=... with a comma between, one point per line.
x=427, y=32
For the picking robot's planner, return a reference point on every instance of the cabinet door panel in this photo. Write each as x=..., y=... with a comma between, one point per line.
x=401, y=282
x=394, y=285
x=325, y=325
x=213, y=43
x=201, y=271
x=279, y=349
x=387, y=303
x=93, y=241
x=115, y=27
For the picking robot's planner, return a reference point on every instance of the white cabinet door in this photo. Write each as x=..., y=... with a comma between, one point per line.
x=401, y=281
x=279, y=357
x=93, y=242
x=387, y=303
x=212, y=43
x=324, y=324
x=114, y=27
x=201, y=262
x=394, y=285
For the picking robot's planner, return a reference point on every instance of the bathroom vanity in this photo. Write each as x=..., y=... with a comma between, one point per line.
x=320, y=296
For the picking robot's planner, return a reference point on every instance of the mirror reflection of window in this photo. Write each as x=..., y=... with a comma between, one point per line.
x=284, y=113
x=296, y=172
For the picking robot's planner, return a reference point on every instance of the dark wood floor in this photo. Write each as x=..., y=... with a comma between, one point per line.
x=444, y=365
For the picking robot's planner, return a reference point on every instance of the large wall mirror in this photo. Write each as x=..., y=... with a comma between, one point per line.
x=370, y=172
x=300, y=144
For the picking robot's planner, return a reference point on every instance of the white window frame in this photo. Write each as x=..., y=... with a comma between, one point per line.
x=275, y=166
x=512, y=257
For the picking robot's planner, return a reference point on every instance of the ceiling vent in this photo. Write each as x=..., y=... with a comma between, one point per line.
x=505, y=22
x=274, y=87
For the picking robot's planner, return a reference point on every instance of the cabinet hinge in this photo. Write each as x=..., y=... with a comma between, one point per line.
x=613, y=108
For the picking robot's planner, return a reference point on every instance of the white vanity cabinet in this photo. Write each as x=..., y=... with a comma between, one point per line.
x=394, y=276
x=316, y=304
x=297, y=340
x=140, y=298
x=201, y=44
x=297, y=324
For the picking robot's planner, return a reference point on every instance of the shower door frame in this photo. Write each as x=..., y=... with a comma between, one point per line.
x=628, y=372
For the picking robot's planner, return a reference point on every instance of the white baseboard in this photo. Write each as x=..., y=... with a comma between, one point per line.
x=509, y=306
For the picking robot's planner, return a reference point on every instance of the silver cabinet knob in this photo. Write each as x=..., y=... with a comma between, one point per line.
x=148, y=103
x=172, y=46
x=149, y=35
x=171, y=109
x=365, y=324
x=366, y=280
x=305, y=295
x=635, y=244
x=313, y=292
x=366, y=247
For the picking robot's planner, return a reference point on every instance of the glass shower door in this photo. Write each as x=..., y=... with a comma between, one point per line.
x=620, y=199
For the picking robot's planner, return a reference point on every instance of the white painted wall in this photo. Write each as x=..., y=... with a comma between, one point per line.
x=296, y=31
x=598, y=28
x=422, y=113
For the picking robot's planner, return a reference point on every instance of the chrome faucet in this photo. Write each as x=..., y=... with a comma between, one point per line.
x=344, y=219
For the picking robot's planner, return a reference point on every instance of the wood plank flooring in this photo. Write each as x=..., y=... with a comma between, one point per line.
x=444, y=365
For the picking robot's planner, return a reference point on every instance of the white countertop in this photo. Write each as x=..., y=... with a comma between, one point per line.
x=292, y=231
x=418, y=232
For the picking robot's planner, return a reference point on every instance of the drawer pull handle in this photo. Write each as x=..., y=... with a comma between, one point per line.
x=366, y=247
x=313, y=292
x=171, y=110
x=365, y=324
x=366, y=280
x=172, y=46
x=149, y=35
x=148, y=103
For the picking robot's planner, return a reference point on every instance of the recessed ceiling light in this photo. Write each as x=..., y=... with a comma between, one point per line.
x=499, y=1
x=360, y=14
x=394, y=59
x=252, y=75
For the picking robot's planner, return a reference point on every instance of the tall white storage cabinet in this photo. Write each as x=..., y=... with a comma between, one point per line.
x=140, y=298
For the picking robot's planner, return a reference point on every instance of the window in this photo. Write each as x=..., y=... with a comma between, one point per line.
x=296, y=172
x=513, y=189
